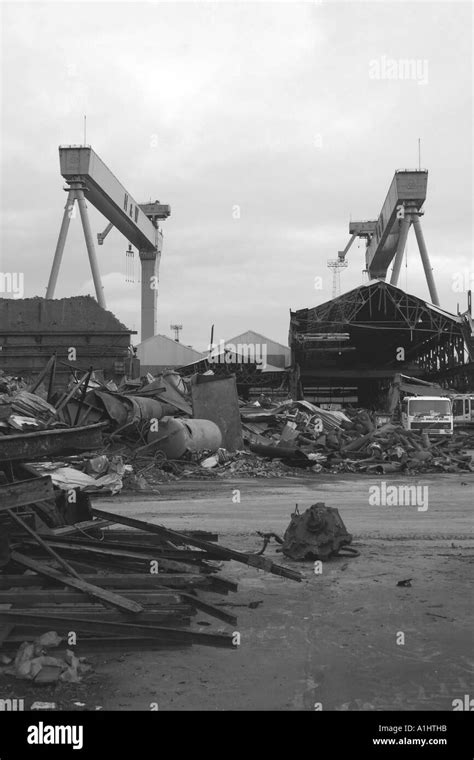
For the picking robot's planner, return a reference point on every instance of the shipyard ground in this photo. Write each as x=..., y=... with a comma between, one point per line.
x=331, y=639
x=329, y=642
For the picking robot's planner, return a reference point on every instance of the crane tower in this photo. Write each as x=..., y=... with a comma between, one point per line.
x=88, y=178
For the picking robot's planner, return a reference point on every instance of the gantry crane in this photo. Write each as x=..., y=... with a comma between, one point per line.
x=386, y=237
x=89, y=178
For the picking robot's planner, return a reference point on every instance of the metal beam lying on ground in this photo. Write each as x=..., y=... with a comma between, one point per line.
x=253, y=560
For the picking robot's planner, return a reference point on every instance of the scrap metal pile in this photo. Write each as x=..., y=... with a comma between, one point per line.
x=99, y=438
x=320, y=440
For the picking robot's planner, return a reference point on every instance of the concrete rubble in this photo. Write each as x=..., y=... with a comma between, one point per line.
x=33, y=662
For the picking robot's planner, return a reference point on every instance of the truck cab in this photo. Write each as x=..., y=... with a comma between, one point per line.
x=433, y=414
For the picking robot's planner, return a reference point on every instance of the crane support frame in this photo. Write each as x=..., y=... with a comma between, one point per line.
x=90, y=179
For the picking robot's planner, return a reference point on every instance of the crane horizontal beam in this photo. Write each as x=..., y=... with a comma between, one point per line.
x=407, y=190
x=109, y=196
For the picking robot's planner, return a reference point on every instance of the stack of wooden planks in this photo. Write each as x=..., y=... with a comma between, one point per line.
x=136, y=585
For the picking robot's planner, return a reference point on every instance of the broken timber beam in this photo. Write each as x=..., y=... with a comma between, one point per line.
x=254, y=560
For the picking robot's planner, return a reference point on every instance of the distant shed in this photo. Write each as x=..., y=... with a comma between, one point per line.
x=159, y=353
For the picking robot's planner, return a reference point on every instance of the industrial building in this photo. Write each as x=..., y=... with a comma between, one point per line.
x=349, y=349
x=32, y=329
x=277, y=356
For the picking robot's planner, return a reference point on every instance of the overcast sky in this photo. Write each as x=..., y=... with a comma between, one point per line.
x=274, y=108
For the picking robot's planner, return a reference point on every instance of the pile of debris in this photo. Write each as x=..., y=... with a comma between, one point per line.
x=99, y=438
x=33, y=662
x=306, y=436
x=129, y=586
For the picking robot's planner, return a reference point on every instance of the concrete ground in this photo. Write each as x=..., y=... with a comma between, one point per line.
x=347, y=639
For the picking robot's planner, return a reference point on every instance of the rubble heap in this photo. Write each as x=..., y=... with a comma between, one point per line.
x=100, y=438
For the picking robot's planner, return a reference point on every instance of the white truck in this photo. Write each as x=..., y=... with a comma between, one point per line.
x=433, y=414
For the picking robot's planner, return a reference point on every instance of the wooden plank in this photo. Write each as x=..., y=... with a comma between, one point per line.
x=105, y=561
x=24, y=492
x=222, y=585
x=179, y=616
x=210, y=609
x=128, y=551
x=37, y=620
x=107, y=597
x=27, y=597
x=125, y=581
x=69, y=394
x=118, y=534
x=70, y=530
x=101, y=551
x=129, y=534
x=65, y=565
x=99, y=643
x=49, y=364
x=254, y=560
